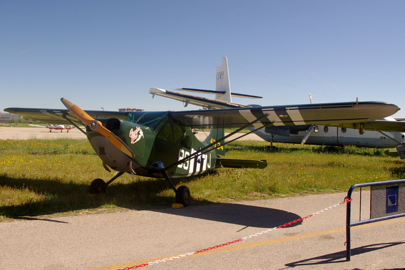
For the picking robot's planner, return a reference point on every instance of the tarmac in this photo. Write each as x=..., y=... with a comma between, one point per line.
x=129, y=238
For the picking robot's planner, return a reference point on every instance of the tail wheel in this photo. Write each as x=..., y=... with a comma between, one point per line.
x=183, y=195
x=97, y=186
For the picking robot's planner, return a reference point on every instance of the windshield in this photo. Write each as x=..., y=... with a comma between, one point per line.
x=149, y=119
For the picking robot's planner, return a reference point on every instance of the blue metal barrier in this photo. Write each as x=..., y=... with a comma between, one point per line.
x=391, y=203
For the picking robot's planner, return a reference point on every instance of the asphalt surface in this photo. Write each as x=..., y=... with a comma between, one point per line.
x=128, y=238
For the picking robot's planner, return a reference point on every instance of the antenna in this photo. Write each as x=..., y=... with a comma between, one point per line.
x=310, y=98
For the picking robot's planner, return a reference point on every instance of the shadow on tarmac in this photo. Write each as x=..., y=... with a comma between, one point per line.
x=245, y=215
x=63, y=197
x=340, y=257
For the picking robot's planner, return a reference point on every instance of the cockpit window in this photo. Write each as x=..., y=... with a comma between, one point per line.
x=171, y=132
x=149, y=119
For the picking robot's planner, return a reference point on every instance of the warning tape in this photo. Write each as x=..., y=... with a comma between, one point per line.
x=346, y=200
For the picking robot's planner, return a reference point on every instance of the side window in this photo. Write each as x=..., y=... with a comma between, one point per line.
x=325, y=129
x=343, y=130
x=171, y=132
x=166, y=133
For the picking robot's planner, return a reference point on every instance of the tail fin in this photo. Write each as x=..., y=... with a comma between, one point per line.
x=215, y=136
x=223, y=82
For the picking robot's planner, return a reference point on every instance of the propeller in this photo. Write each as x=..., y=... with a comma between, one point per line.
x=98, y=127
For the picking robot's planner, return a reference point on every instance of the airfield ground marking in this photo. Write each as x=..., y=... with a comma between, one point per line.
x=255, y=244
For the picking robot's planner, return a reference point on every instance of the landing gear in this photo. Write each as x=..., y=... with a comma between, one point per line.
x=98, y=185
x=182, y=193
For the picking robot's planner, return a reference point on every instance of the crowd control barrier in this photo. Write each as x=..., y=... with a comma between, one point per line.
x=387, y=201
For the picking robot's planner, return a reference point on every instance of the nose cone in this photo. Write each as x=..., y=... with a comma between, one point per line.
x=108, y=153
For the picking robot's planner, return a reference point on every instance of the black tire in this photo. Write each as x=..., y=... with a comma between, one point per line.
x=97, y=186
x=183, y=196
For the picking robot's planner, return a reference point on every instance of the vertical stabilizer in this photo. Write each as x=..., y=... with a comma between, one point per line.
x=223, y=83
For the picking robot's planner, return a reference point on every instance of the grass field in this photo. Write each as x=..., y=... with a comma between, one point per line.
x=43, y=177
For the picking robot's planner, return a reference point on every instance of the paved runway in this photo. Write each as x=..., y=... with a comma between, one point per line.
x=128, y=238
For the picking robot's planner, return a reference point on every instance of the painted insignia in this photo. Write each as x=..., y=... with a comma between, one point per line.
x=135, y=135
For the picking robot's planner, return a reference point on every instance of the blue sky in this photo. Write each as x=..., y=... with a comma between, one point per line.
x=109, y=53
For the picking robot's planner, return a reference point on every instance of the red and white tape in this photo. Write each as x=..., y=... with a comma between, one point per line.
x=346, y=200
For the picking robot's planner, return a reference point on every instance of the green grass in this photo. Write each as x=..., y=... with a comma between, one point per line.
x=43, y=177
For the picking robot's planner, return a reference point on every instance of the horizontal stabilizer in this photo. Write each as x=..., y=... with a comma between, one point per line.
x=194, y=100
x=240, y=163
x=204, y=91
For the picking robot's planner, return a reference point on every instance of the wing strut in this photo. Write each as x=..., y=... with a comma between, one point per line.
x=382, y=133
x=204, y=150
x=64, y=116
x=306, y=136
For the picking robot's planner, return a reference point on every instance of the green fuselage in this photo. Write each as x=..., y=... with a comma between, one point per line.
x=154, y=137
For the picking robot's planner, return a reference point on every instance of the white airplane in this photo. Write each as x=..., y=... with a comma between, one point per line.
x=310, y=134
x=59, y=127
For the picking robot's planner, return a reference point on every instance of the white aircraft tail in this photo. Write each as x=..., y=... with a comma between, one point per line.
x=223, y=83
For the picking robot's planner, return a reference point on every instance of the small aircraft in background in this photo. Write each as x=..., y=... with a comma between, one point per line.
x=59, y=127
x=296, y=133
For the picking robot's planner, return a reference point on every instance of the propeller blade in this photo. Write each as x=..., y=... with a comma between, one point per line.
x=98, y=127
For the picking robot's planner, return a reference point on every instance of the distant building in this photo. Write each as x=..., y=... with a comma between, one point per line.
x=130, y=110
x=7, y=117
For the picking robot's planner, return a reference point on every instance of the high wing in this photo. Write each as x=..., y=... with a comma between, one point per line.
x=338, y=114
x=284, y=125
x=57, y=116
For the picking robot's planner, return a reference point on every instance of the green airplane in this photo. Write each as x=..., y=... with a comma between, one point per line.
x=162, y=144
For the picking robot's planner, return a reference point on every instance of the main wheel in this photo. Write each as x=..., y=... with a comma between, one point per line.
x=183, y=195
x=97, y=186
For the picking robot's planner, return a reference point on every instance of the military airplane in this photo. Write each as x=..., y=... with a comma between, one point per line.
x=280, y=132
x=162, y=144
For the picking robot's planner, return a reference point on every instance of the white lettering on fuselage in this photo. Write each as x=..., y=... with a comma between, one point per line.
x=200, y=162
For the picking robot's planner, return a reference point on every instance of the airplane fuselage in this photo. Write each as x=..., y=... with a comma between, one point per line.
x=163, y=140
x=336, y=136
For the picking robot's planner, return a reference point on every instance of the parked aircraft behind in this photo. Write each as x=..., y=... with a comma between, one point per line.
x=336, y=136
x=280, y=132
x=59, y=127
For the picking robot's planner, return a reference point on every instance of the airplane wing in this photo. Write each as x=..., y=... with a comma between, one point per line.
x=280, y=126
x=386, y=125
x=195, y=100
x=337, y=114
x=57, y=116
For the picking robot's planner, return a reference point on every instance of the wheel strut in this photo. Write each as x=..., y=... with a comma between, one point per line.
x=98, y=185
x=182, y=193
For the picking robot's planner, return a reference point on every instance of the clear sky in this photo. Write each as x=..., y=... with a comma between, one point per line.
x=109, y=53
